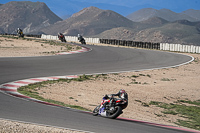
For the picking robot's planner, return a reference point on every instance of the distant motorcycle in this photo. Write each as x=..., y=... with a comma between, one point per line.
x=62, y=37
x=20, y=33
x=82, y=40
x=111, y=110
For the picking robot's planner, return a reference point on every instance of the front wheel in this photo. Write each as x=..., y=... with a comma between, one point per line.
x=96, y=110
x=115, y=113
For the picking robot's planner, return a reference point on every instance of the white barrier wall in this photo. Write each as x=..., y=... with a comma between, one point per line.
x=180, y=48
x=71, y=38
x=163, y=46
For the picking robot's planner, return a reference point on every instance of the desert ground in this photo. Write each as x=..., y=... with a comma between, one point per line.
x=10, y=47
x=162, y=85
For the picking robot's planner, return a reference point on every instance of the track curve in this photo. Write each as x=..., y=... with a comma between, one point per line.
x=99, y=60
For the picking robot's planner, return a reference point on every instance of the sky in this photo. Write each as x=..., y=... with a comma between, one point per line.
x=123, y=7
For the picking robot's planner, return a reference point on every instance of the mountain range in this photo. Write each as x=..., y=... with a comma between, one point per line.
x=146, y=13
x=149, y=25
x=89, y=21
x=30, y=16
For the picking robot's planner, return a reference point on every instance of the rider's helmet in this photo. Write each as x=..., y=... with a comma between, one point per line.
x=122, y=93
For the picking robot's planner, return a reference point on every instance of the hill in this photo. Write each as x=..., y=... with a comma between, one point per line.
x=193, y=13
x=182, y=32
x=146, y=13
x=29, y=16
x=95, y=22
x=128, y=33
x=89, y=21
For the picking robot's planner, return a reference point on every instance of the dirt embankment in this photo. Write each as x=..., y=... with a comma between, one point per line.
x=10, y=47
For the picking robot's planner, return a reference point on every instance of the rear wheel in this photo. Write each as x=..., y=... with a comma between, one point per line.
x=96, y=110
x=114, y=114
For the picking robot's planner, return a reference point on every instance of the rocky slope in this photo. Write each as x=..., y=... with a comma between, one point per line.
x=30, y=16
x=89, y=21
x=95, y=22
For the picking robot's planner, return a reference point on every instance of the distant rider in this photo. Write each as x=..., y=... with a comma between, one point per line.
x=80, y=38
x=19, y=32
x=121, y=94
x=61, y=37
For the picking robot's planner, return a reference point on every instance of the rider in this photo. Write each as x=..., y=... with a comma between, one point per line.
x=80, y=38
x=121, y=94
x=60, y=35
x=19, y=31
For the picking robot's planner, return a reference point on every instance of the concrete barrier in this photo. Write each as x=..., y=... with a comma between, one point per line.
x=162, y=46
x=180, y=48
x=71, y=38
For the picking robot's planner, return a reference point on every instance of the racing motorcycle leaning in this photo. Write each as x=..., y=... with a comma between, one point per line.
x=20, y=33
x=81, y=39
x=110, y=108
x=61, y=37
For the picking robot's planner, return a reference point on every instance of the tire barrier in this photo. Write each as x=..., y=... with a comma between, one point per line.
x=147, y=45
x=6, y=34
x=27, y=35
x=30, y=35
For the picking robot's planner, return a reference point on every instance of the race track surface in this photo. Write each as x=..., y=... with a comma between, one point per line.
x=100, y=60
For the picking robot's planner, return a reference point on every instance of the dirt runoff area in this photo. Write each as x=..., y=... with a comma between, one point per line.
x=19, y=47
x=163, y=85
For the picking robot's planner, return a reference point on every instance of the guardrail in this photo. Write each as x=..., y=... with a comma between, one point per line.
x=147, y=45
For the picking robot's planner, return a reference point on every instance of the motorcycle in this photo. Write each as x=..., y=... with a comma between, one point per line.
x=112, y=109
x=20, y=34
x=82, y=40
x=62, y=38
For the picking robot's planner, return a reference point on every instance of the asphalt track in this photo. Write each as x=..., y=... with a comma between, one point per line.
x=99, y=60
